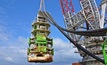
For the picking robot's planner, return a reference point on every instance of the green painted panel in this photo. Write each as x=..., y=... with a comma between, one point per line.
x=41, y=49
x=41, y=39
x=29, y=41
x=28, y=51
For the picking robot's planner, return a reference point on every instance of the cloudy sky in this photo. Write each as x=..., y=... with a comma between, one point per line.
x=16, y=17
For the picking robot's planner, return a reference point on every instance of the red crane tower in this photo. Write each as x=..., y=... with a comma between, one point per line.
x=67, y=6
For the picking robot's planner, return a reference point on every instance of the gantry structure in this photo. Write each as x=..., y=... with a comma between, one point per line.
x=89, y=18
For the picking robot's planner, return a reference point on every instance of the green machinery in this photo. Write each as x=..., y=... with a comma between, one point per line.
x=40, y=45
x=104, y=48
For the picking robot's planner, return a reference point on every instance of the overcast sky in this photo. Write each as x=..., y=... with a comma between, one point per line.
x=16, y=17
